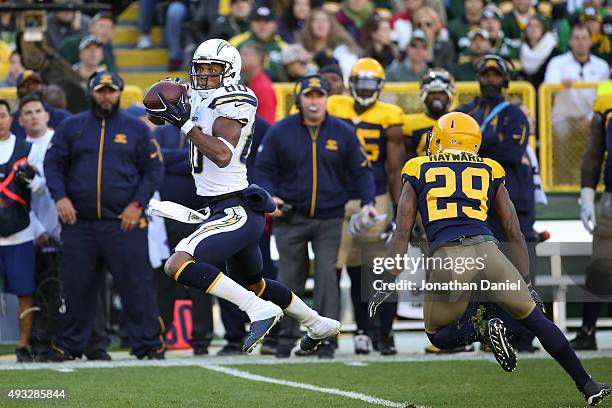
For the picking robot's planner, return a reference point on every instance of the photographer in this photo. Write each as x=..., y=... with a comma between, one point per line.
x=19, y=161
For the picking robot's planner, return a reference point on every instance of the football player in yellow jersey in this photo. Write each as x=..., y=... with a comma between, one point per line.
x=379, y=127
x=437, y=93
x=453, y=189
x=600, y=140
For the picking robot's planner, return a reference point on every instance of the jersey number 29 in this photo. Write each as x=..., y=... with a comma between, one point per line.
x=451, y=210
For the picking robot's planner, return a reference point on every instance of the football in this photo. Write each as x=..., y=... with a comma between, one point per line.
x=170, y=89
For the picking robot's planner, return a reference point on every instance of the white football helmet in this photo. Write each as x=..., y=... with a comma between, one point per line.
x=219, y=52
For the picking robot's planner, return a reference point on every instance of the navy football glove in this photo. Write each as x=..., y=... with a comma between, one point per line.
x=376, y=300
x=176, y=115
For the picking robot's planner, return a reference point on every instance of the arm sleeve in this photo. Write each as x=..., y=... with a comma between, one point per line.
x=509, y=147
x=57, y=162
x=267, y=162
x=553, y=73
x=360, y=170
x=150, y=165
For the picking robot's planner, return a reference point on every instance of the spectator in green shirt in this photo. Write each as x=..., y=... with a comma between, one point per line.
x=503, y=46
x=479, y=47
x=102, y=26
x=415, y=63
x=263, y=32
x=461, y=25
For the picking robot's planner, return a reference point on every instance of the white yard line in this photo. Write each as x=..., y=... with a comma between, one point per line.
x=333, y=391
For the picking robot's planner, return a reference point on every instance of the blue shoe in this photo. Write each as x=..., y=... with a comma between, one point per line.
x=594, y=392
x=259, y=329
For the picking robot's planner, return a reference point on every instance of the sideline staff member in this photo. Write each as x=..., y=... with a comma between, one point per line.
x=102, y=168
x=306, y=162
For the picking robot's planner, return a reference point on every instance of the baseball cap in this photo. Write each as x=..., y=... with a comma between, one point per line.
x=480, y=32
x=418, y=35
x=262, y=13
x=590, y=13
x=492, y=61
x=101, y=16
x=313, y=83
x=28, y=75
x=331, y=69
x=294, y=53
x=89, y=40
x=492, y=11
x=105, y=78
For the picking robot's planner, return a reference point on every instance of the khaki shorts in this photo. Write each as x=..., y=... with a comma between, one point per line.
x=350, y=252
x=602, y=235
x=444, y=307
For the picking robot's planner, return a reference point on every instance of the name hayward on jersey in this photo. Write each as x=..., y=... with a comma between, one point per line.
x=233, y=102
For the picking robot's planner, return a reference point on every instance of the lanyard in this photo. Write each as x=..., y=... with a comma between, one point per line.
x=496, y=110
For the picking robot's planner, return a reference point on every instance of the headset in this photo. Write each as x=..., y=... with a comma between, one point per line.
x=297, y=88
x=502, y=64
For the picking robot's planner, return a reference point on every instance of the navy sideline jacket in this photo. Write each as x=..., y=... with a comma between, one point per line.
x=313, y=170
x=102, y=165
x=505, y=140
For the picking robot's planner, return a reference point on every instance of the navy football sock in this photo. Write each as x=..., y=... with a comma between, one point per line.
x=197, y=274
x=590, y=311
x=360, y=308
x=555, y=343
x=276, y=292
x=456, y=334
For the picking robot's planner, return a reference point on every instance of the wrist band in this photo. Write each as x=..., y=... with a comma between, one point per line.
x=186, y=128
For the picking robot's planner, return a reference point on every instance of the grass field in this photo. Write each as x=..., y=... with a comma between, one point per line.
x=210, y=382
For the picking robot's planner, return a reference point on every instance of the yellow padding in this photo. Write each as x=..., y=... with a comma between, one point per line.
x=180, y=270
x=212, y=285
x=262, y=288
x=290, y=303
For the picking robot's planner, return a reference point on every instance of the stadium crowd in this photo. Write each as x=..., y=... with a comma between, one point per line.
x=103, y=164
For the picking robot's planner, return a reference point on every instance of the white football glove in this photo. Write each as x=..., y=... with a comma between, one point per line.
x=587, y=208
x=364, y=220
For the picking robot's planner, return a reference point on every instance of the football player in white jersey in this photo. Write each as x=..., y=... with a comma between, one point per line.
x=219, y=125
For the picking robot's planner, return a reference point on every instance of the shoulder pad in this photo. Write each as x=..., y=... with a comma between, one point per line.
x=233, y=94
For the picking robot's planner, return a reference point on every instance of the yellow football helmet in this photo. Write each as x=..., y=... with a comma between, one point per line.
x=455, y=130
x=366, y=81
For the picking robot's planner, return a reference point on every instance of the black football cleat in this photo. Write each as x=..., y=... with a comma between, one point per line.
x=493, y=335
x=584, y=340
x=310, y=344
x=259, y=329
x=594, y=392
x=23, y=355
x=387, y=346
x=98, y=355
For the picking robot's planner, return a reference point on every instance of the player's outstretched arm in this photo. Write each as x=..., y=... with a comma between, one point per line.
x=511, y=228
x=219, y=147
x=395, y=158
